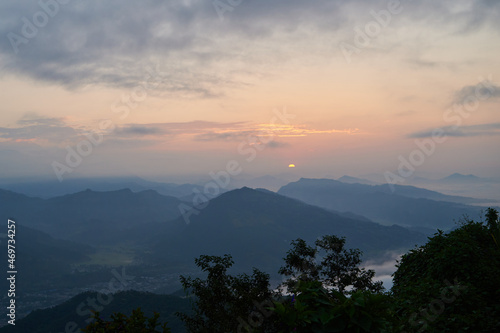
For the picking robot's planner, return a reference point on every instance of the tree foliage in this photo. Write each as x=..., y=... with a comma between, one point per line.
x=120, y=323
x=493, y=223
x=226, y=303
x=338, y=269
x=452, y=283
x=316, y=309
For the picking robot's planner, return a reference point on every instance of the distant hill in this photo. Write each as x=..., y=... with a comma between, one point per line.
x=422, y=193
x=406, y=206
x=485, y=190
x=354, y=180
x=459, y=177
x=456, y=178
x=90, y=217
x=257, y=226
x=77, y=311
x=53, y=188
x=268, y=182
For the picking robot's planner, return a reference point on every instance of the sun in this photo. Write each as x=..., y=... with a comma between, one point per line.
x=291, y=165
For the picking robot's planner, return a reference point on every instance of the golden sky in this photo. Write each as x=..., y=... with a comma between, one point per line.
x=183, y=87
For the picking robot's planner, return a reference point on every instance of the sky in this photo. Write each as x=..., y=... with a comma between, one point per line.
x=166, y=88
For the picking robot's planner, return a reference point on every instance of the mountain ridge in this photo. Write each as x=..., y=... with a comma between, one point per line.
x=379, y=203
x=256, y=227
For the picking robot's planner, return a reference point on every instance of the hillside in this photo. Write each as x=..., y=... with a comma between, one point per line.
x=40, y=257
x=90, y=217
x=54, y=188
x=256, y=227
x=77, y=310
x=406, y=206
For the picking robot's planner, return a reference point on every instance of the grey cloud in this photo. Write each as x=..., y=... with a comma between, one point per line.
x=229, y=136
x=240, y=136
x=482, y=91
x=35, y=127
x=137, y=130
x=199, y=126
x=112, y=143
x=203, y=130
x=277, y=144
x=51, y=133
x=492, y=129
x=35, y=119
x=111, y=42
x=419, y=63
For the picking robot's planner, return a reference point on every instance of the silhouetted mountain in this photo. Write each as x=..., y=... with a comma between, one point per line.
x=459, y=178
x=256, y=227
x=54, y=188
x=77, y=310
x=272, y=183
x=485, y=190
x=409, y=191
x=406, y=206
x=354, y=180
x=89, y=216
x=422, y=193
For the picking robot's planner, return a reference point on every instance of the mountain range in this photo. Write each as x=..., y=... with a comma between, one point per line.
x=257, y=226
x=90, y=217
x=146, y=231
x=405, y=206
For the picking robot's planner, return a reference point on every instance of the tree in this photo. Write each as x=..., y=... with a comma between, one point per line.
x=452, y=283
x=300, y=263
x=493, y=224
x=120, y=323
x=316, y=309
x=338, y=269
x=225, y=303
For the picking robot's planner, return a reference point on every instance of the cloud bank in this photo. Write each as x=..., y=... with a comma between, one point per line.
x=202, y=52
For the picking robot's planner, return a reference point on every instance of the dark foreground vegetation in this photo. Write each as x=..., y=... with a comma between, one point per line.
x=450, y=284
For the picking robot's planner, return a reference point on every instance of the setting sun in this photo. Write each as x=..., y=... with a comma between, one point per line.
x=291, y=165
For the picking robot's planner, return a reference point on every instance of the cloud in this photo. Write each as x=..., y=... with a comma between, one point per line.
x=492, y=129
x=200, y=125
x=278, y=144
x=265, y=131
x=56, y=132
x=482, y=91
x=139, y=130
x=36, y=128
x=197, y=129
x=199, y=55
x=36, y=119
x=224, y=136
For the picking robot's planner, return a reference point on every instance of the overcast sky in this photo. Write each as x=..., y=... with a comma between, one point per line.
x=158, y=88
